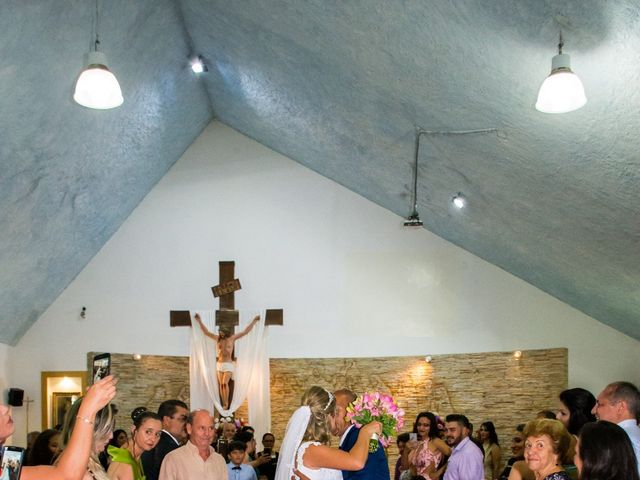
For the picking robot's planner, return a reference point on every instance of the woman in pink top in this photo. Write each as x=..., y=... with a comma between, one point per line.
x=424, y=456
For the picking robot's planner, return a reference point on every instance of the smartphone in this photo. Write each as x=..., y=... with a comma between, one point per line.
x=266, y=451
x=101, y=366
x=12, y=459
x=223, y=447
x=413, y=437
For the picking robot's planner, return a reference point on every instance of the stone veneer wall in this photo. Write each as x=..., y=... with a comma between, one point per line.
x=148, y=382
x=483, y=386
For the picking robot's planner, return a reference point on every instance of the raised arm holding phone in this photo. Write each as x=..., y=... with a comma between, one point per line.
x=72, y=464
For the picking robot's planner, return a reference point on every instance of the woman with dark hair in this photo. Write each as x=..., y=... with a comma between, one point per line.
x=45, y=448
x=491, y=446
x=423, y=456
x=120, y=437
x=574, y=409
x=145, y=435
x=604, y=452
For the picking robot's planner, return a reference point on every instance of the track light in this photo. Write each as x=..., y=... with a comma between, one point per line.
x=198, y=65
x=562, y=90
x=97, y=87
x=459, y=201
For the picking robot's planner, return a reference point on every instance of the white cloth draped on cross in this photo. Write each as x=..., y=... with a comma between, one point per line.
x=251, y=376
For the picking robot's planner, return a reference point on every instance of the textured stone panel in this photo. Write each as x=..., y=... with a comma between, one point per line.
x=148, y=382
x=483, y=386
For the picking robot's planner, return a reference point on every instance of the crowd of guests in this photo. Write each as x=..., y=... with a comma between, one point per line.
x=163, y=445
x=586, y=438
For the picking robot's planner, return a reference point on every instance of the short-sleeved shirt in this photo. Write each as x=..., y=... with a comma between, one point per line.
x=185, y=463
x=466, y=462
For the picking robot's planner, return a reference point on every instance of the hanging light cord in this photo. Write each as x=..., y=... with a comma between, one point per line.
x=560, y=44
x=97, y=42
x=420, y=132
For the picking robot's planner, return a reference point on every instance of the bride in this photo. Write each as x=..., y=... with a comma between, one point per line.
x=304, y=448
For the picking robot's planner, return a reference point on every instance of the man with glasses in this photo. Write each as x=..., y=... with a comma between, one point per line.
x=619, y=403
x=174, y=418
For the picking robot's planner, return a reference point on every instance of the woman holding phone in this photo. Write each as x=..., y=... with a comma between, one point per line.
x=72, y=464
x=423, y=455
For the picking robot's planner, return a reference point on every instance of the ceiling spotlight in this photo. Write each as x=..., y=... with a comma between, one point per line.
x=459, y=201
x=517, y=354
x=137, y=356
x=198, y=65
x=97, y=87
x=562, y=90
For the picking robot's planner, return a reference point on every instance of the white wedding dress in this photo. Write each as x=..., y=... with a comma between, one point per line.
x=292, y=451
x=315, y=473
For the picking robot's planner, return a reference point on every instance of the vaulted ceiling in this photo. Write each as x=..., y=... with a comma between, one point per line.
x=339, y=86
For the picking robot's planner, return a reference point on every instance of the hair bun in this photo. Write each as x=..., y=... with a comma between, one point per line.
x=137, y=412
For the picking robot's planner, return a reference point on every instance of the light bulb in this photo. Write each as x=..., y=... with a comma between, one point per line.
x=562, y=90
x=197, y=67
x=459, y=201
x=97, y=87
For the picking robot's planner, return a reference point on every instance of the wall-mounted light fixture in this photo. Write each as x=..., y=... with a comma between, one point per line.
x=562, y=90
x=517, y=354
x=428, y=359
x=137, y=356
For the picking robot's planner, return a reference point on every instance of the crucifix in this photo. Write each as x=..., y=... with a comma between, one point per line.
x=226, y=319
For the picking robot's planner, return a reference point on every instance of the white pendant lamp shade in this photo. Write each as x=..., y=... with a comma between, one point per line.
x=97, y=87
x=562, y=90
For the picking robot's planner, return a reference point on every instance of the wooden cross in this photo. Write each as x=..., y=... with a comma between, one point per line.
x=227, y=317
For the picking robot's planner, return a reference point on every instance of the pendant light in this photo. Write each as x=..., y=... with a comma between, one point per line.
x=562, y=90
x=97, y=87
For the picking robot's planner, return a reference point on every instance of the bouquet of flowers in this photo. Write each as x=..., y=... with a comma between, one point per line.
x=376, y=407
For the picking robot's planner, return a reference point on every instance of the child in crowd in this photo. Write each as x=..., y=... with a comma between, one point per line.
x=237, y=469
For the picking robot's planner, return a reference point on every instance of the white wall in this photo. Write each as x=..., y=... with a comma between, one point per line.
x=351, y=281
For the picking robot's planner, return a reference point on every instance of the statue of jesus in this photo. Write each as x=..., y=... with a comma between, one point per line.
x=224, y=345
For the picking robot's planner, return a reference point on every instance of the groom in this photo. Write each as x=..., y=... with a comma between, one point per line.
x=376, y=467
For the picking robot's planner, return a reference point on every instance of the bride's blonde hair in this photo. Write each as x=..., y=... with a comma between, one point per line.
x=322, y=404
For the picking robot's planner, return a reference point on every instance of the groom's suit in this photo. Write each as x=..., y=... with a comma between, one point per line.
x=376, y=467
